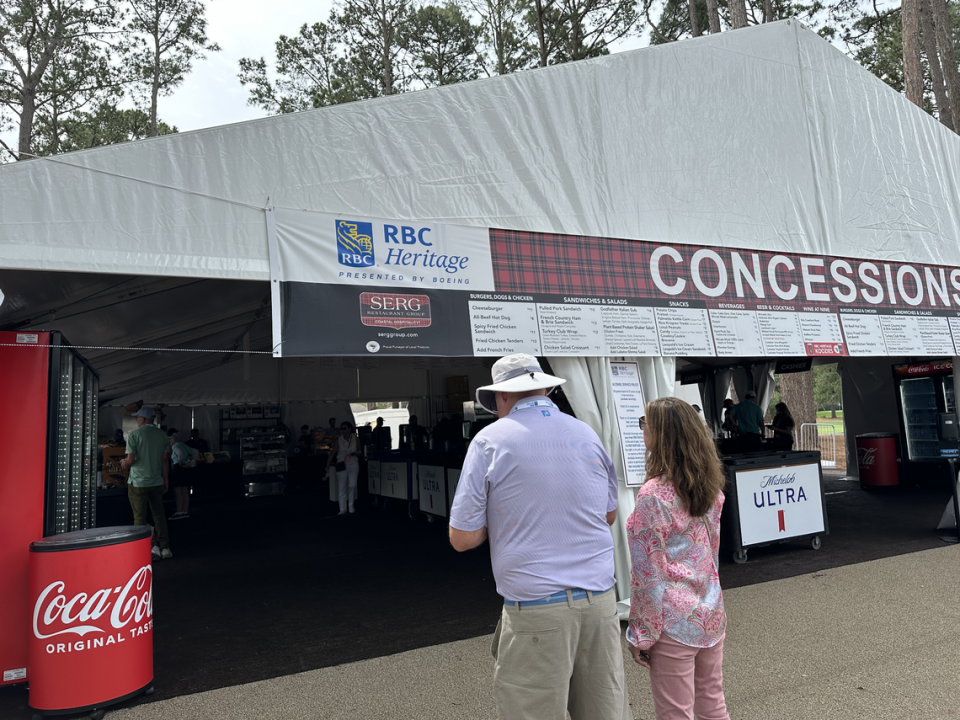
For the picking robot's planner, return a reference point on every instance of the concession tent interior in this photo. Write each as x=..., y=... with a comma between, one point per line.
x=764, y=138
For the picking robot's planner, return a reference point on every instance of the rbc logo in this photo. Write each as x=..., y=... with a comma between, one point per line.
x=355, y=243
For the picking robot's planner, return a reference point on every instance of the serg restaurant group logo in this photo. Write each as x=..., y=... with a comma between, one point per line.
x=355, y=243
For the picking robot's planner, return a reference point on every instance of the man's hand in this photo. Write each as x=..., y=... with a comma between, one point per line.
x=641, y=657
x=466, y=540
x=166, y=486
x=129, y=460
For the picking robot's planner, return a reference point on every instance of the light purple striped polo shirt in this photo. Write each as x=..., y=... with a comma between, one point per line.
x=542, y=483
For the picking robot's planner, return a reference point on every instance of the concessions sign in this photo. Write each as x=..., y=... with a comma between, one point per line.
x=353, y=285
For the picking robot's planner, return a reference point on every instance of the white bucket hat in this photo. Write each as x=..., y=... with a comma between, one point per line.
x=515, y=373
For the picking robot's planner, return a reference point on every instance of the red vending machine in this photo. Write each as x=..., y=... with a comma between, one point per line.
x=48, y=422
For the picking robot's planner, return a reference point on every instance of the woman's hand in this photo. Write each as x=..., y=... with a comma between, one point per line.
x=641, y=657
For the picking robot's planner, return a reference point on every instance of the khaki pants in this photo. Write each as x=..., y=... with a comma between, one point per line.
x=142, y=498
x=551, y=659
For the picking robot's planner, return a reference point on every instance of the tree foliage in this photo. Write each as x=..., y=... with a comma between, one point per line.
x=54, y=60
x=826, y=388
x=165, y=38
x=105, y=125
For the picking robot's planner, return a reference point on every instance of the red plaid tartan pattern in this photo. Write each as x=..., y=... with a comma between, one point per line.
x=546, y=263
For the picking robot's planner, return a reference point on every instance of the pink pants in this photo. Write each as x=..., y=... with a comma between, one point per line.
x=687, y=681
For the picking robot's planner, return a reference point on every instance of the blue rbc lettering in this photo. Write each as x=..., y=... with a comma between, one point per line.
x=408, y=235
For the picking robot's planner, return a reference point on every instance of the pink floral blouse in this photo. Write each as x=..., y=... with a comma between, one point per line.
x=674, y=585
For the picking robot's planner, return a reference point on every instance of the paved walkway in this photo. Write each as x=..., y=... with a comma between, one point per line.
x=875, y=640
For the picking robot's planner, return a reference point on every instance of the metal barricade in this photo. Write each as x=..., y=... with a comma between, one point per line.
x=812, y=436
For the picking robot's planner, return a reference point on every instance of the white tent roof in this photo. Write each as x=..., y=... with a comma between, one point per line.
x=767, y=137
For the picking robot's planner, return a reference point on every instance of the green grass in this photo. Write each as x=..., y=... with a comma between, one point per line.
x=826, y=414
x=837, y=425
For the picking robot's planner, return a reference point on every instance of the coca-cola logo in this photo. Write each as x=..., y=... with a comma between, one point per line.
x=57, y=612
x=865, y=457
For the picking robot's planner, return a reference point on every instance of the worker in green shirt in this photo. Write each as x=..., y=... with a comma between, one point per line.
x=750, y=421
x=148, y=459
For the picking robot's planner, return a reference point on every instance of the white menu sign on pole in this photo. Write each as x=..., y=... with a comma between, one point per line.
x=629, y=403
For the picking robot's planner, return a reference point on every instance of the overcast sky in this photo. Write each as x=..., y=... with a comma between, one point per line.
x=211, y=94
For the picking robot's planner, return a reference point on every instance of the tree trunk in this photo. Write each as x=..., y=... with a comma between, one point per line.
x=28, y=110
x=713, y=14
x=948, y=57
x=768, y=11
x=933, y=62
x=541, y=35
x=155, y=89
x=912, y=70
x=694, y=20
x=796, y=390
x=738, y=14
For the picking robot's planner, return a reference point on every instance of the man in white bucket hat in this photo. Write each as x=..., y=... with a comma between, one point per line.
x=540, y=486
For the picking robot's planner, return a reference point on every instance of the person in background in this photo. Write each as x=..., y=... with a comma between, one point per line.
x=539, y=484
x=750, y=423
x=782, y=426
x=197, y=443
x=331, y=431
x=677, y=618
x=729, y=418
x=182, y=458
x=381, y=437
x=148, y=459
x=343, y=455
x=306, y=438
x=441, y=434
x=419, y=437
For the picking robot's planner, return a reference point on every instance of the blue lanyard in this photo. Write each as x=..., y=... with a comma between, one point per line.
x=532, y=403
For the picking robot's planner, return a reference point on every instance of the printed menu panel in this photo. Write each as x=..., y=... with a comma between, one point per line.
x=630, y=331
x=629, y=403
x=504, y=328
x=570, y=329
x=736, y=332
x=684, y=332
x=781, y=331
x=593, y=328
x=863, y=334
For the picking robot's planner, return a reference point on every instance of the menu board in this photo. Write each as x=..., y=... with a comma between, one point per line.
x=629, y=403
x=416, y=287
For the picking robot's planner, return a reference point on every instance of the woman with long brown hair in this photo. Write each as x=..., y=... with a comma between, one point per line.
x=677, y=620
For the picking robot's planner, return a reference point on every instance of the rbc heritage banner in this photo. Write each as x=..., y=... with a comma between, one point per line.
x=354, y=285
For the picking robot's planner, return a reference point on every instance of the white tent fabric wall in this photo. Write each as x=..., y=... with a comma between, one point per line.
x=589, y=390
x=761, y=381
x=869, y=401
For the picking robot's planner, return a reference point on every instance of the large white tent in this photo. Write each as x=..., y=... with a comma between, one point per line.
x=767, y=138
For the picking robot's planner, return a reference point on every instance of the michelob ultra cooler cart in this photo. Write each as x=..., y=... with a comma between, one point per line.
x=772, y=498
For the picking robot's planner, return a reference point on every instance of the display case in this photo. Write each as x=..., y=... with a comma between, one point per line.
x=927, y=405
x=48, y=394
x=264, y=452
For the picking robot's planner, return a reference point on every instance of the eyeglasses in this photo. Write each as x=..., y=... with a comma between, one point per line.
x=345, y=427
x=643, y=423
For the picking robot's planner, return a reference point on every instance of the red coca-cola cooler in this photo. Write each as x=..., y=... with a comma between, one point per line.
x=877, y=460
x=91, y=639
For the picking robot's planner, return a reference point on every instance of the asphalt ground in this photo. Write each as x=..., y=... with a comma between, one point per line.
x=874, y=640
x=273, y=587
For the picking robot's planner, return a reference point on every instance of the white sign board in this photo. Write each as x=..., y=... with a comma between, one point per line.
x=394, y=477
x=433, y=490
x=373, y=477
x=779, y=503
x=628, y=400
